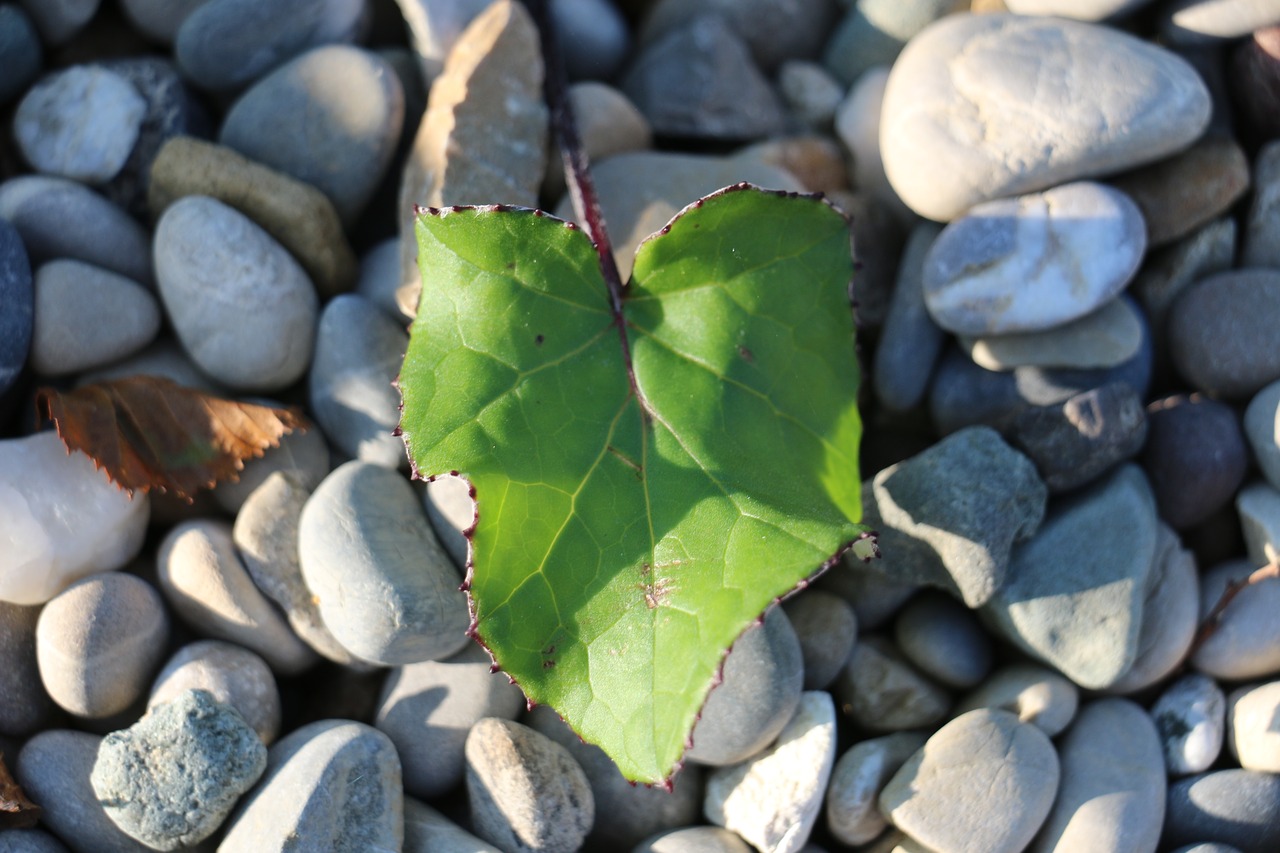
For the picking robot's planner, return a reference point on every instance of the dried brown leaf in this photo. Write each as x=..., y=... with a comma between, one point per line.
x=16, y=811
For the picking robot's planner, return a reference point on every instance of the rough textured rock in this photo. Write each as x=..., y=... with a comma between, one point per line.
x=230, y=674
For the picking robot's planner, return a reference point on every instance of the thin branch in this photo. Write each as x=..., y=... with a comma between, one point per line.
x=1211, y=622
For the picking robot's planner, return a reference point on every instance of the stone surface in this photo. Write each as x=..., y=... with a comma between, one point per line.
x=875, y=597
x=17, y=295
x=774, y=30
x=1106, y=337
x=230, y=674
x=811, y=94
x=595, y=37
x=857, y=124
x=762, y=680
x=241, y=305
x=881, y=692
x=873, y=32
x=827, y=628
x=29, y=841
x=1112, y=794
x=857, y=780
x=694, y=839
x=1208, y=21
x=273, y=200
x=86, y=317
x=910, y=341
x=1217, y=329
x=1190, y=719
x=357, y=358
x=772, y=800
x=608, y=124
x=1195, y=456
x=1236, y=807
x=62, y=519
x=1075, y=591
x=159, y=19
x=1261, y=244
x=330, y=785
x=964, y=120
x=941, y=637
x=1262, y=430
x=949, y=516
x=428, y=831
x=173, y=777
x=1033, y=263
x=984, y=781
x=25, y=707
x=451, y=510
x=1088, y=10
x=1246, y=642
x=385, y=589
x=206, y=583
x=1258, y=505
x=1251, y=731
x=1035, y=694
x=345, y=102
x=526, y=792
x=20, y=51
x=1254, y=73
x=302, y=455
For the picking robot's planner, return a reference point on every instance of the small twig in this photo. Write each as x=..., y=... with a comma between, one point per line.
x=1211, y=622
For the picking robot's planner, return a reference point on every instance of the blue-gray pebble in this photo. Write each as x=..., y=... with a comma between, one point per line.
x=29, y=841
x=24, y=705
x=17, y=306
x=1196, y=457
x=1236, y=807
x=20, y=51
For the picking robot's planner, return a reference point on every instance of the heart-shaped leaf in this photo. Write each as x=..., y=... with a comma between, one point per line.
x=645, y=484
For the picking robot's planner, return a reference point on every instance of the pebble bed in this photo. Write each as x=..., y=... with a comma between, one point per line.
x=1068, y=302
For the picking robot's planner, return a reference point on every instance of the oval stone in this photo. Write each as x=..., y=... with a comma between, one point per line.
x=1036, y=694
x=1104, y=338
x=1262, y=429
x=1190, y=717
x=1251, y=729
x=1246, y=641
x=1222, y=332
x=1236, y=807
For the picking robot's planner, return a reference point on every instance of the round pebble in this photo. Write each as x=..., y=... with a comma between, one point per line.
x=1190, y=719
x=1195, y=456
x=1035, y=694
x=694, y=839
x=944, y=640
x=827, y=628
x=594, y=36
x=1251, y=730
x=882, y=693
x=17, y=298
x=1245, y=642
x=1218, y=331
x=230, y=674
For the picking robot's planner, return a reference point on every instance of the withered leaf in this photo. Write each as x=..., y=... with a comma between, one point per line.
x=148, y=432
x=16, y=811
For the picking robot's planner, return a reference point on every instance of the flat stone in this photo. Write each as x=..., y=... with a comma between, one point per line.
x=1035, y=694
x=966, y=121
x=358, y=354
x=25, y=706
x=873, y=32
x=296, y=214
x=910, y=341
x=1209, y=21
x=1081, y=10
x=1075, y=442
x=984, y=781
x=1035, y=262
x=881, y=692
x=346, y=103
x=1236, y=807
x=17, y=295
x=205, y=581
x=1246, y=642
x=428, y=708
x=86, y=317
x=859, y=777
x=483, y=139
x=333, y=785
x=1190, y=717
x=526, y=792
x=61, y=519
x=1075, y=591
x=1251, y=734
x=772, y=800
x=230, y=674
x=173, y=777
x=694, y=839
x=1195, y=456
x=226, y=44
x=827, y=628
x=428, y=831
x=943, y=639
x=1259, y=507
x=1262, y=225
x=1219, y=329
x=20, y=51
x=1106, y=337
x=1262, y=430
x=949, y=516
x=385, y=589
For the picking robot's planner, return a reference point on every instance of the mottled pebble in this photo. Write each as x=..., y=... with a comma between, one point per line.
x=1190, y=719
x=827, y=628
x=86, y=317
x=1236, y=807
x=1217, y=331
x=943, y=639
x=1246, y=640
x=881, y=692
x=230, y=674
x=857, y=780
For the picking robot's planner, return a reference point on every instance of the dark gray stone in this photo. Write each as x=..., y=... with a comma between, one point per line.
x=1196, y=457
x=826, y=627
x=910, y=341
x=20, y=51
x=943, y=639
x=17, y=306
x=1236, y=807
x=881, y=692
x=29, y=840
x=25, y=707
x=1221, y=332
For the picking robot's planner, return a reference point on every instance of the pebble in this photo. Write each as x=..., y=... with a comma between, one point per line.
x=1037, y=695
x=159, y=20
x=594, y=38
x=1195, y=456
x=166, y=358
x=60, y=20
x=1180, y=194
x=1216, y=329
x=1246, y=642
x=1262, y=225
x=943, y=639
x=273, y=200
x=302, y=454
x=811, y=94
x=348, y=105
x=818, y=163
x=451, y=510
x=762, y=679
x=62, y=519
x=857, y=124
x=1106, y=337
x=358, y=353
x=1236, y=807
x=526, y=792
x=1075, y=442
x=1251, y=730
x=29, y=841
x=25, y=707
x=772, y=800
x=329, y=785
x=379, y=280
x=626, y=813
x=948, y=517
x=205, y=581
x=426, y=709
x=385, y=589
x=107, y=237
x=984, y=781
x=1262, y=430
x=434, y=28
x=1209, y=21
x=873, y=32
x=881, y=692
x=1255, y=78
x=230, y=674
x=774, y=30
x=1259, y=507
x=1112, y=793
x=910, y=341
x=173, y=777
x=699, y=81
x=224, y=45
x=1088, y=10
x=857, y=781
x=965, y=122
x=428, y=831
x=1190, y=717
x=1075, y=591
x=17, y=295
x=87, y=317
x=694, y=839
x=1207, y=847
x=98, y=643
x=1035, y=262
x=1170, y=614
x=608, y=124
x=20, y=51
x=879, y=237
x=241, y=305
x=827, y=628
x=875, y=597
x=53, y=769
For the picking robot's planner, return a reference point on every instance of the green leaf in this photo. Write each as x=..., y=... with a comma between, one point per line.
x=634, y=516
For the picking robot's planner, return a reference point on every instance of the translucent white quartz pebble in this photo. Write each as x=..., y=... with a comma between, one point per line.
x=60, y=519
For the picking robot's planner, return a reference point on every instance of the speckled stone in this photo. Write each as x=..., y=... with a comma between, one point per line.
x=231, y=674
x=1218, y=331
x=1190, y=717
